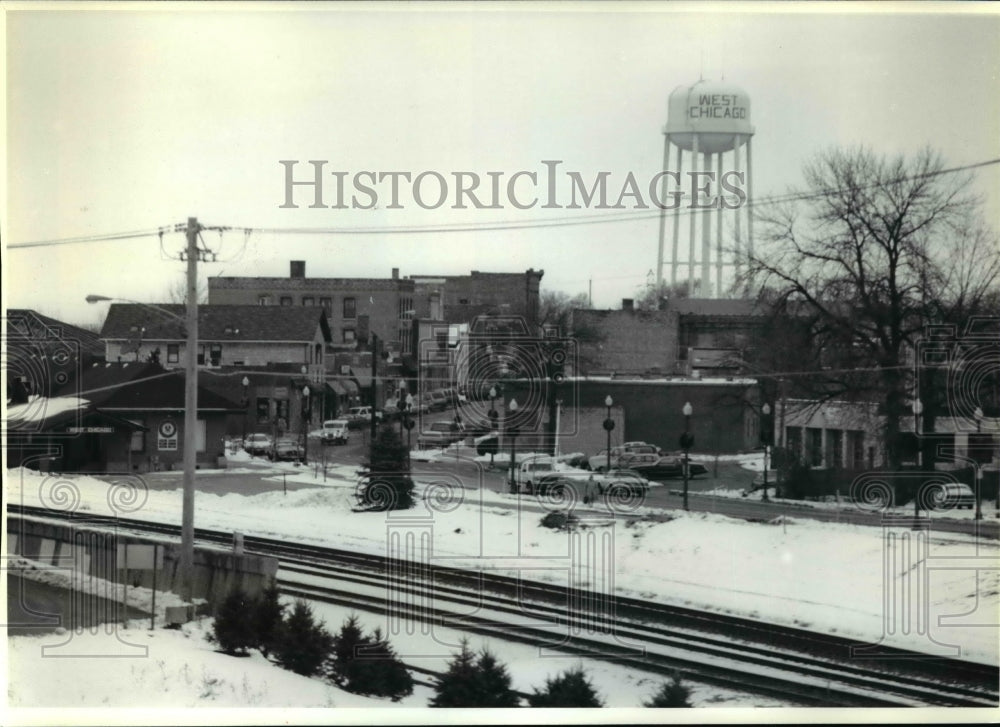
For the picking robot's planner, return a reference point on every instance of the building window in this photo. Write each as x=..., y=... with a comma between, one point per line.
x=463, y=301
x=264, y=300
x=263, y=409
x=350, y=308
x=286, y=300
x=793, y=440
x=201, y=355
x=138, y=443
x=326, y=303
x=349, y=335
x=173, y=352
x=215, y=354
x=856, y=442
x=308, y=300
x=200, y=436
x=835, y=447
x=814, y=447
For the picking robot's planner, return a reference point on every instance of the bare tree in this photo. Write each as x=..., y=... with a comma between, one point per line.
x=866, y=255
x=555, y=308
x=652, y=295
x=177, y=292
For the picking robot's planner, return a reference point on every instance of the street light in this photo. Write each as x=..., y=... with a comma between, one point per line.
x=609, y=424
x=186, y=567
x=765, y=437
x=978, y=414
x=305, y=424
x=687, y=440
x=512, y=432
x=918, y=408
x=246, y=406
x=408, y=404
x=493, y=414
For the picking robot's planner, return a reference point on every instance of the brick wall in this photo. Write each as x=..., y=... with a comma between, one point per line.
x=626, y=341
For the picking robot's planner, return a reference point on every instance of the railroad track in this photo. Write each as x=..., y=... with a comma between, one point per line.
x=787, y=663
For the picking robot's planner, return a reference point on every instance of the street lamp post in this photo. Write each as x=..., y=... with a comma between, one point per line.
x=306, y=418
x=190, y=322
x=918, y=408
x=512, y=433
x=978, y=414
x=687, y=440
x=765, y=438
x=408, y=423
x=609, y=424
x=246, y=406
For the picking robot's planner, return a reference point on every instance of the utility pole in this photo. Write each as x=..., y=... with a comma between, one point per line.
x=373, y=423
x=190, y=412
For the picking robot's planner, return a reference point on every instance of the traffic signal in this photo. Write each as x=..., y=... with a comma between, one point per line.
x=556, y=365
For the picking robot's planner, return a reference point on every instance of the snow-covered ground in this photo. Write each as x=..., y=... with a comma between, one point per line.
x=824, y=576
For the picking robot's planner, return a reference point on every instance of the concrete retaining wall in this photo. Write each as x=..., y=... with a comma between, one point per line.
x=93, y=549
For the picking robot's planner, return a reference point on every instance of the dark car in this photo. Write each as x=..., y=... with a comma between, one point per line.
x=286, y=449
x=668, y=467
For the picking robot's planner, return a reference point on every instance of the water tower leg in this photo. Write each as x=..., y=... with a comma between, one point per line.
x=677, y=221
x=692, y=221
x=663, y=217
x=718, y=227
x=737, y=242
x=706, y=236
x=749, y=213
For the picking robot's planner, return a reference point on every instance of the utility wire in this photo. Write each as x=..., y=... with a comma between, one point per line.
x=628, y=216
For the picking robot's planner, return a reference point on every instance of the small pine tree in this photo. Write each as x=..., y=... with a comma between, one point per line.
x=342, y=667
x=384, y=675
x=267, y=619
x=304, y=645
x=388, y=486
x=233, y=629
x=572, y=688
x=494, y=682
x=671, y=694
x=472, y=682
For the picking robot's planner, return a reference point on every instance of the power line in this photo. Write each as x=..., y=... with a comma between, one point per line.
x=109, y=237
x=503, y=225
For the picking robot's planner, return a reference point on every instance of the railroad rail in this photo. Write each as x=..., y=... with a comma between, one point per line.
x=787, y=663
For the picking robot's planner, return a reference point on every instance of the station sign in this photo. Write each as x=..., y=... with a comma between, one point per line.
x=166, y=439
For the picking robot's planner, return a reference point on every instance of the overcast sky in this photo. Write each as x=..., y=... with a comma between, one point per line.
x=122, y=120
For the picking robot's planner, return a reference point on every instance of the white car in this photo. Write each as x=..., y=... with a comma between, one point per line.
x=335, y=431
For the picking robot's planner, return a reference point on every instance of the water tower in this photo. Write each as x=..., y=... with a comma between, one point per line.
x=707, y=119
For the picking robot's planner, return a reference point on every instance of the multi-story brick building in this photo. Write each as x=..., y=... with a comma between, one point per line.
x=355, y=307
x=463, y=297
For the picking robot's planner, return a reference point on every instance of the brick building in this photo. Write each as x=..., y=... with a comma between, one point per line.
x=355, y=307
x=686, y=337
x=463, y=297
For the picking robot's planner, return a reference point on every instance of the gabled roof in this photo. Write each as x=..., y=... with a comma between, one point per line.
x=216, y=322
x=28, y=325
x=140, y=386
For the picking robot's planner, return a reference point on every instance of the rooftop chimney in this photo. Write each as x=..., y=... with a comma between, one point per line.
x=628, y=304
x=298, y=268
x=395, y=273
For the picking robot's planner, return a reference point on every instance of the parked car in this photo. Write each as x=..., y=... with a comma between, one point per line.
x=362, y=413
x=286, y=449
x=623, y=478
x=257, y=445
x=947, y=495
x=335, y=431
x=440, y=434
x=436, y=400
x=757, y=483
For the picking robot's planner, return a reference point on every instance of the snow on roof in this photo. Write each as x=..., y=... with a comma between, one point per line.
x=41, y=407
